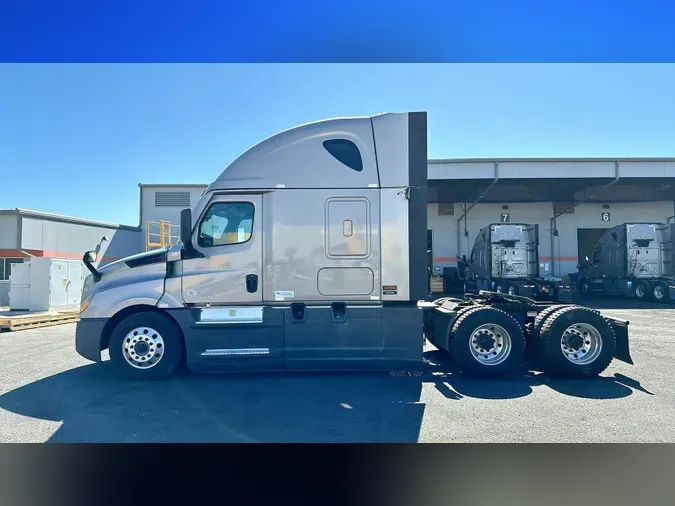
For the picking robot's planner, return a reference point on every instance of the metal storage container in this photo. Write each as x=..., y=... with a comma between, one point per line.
x=42, y=284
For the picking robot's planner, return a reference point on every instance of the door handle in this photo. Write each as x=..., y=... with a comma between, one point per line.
x=252, y=283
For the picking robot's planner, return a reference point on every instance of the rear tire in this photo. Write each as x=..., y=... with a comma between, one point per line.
x=642, y=290
x=576, y=342
x=145, y=346
x=660, y=292
x=542, y=316
x=486, y=341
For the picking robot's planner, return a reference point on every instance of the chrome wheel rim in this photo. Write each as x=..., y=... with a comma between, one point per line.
x=581, y=343
x=490, y=344
x=512, y=290
x=640, y=291
x=659, y=293
x=499, y=289
x=143, y=348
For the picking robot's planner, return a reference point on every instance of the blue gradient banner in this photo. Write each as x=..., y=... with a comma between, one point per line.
x=345, y=31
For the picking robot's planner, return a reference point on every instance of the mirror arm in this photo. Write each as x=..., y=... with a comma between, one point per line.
x=87, y=259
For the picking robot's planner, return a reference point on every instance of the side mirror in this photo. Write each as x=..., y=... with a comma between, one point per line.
x=90, y=256
x=186, y=227
x=587, y=260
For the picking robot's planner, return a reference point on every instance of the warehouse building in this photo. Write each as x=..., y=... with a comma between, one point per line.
x=26, y=234
x=571, y=200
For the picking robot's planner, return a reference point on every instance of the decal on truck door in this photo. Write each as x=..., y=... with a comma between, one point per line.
x=284, y=294
x=390, y=289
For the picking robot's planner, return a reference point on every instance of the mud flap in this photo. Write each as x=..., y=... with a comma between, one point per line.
x=620, y=328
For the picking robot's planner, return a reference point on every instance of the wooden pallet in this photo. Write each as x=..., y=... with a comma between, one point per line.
x=35, y=320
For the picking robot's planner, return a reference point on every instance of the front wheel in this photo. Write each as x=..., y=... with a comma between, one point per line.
x=486, y=341
x=145, y=346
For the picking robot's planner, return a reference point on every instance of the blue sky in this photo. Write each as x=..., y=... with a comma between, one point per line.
x=77, y=139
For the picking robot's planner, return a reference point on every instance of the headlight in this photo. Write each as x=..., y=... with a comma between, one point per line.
x=85, y=303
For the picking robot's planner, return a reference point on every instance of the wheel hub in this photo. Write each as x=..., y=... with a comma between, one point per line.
x=143, y=348
x=490, y=344
x=581, y=343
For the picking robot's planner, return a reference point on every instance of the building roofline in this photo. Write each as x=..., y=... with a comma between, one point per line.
x=171, y=185
x=550, y=159
x=66, y=219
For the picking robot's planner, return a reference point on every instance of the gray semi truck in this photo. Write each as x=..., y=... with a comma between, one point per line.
x=309, y=252
x=505, y=259
x=632, y=260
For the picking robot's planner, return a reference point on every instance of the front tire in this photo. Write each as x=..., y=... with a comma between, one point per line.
x=576, y=342
x=145, y=346
x=486, y=341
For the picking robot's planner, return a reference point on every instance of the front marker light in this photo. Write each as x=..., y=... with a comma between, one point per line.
x=85, y=304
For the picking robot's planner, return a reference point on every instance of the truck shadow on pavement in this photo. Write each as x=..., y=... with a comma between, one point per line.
x=309, y=407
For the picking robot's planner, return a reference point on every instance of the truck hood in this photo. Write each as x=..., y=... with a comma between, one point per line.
x=137, y=260
x=126, y=271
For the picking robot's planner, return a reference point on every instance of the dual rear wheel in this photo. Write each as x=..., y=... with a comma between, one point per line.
x=569, y=341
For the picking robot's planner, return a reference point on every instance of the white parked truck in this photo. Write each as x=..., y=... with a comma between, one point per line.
x=632, y=260
x=505, y=258
x=309, y=252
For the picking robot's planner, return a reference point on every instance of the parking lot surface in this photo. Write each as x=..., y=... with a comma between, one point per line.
x=49, y=393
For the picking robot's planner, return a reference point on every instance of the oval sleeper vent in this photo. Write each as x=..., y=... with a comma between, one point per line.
x=346, y=152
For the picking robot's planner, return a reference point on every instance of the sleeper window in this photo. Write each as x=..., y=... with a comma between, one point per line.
x=346, y=152
x=226, y=223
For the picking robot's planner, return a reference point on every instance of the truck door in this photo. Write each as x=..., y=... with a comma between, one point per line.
x=229, y=326
x=228, y=235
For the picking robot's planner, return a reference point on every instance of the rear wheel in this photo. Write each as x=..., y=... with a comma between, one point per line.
x=576, y=342
x=642, y=290
x=486, y=341
x=145, y=346
x=543, y=315
x=660, y=292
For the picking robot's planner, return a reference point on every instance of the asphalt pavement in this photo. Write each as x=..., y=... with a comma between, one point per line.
x=49, y=393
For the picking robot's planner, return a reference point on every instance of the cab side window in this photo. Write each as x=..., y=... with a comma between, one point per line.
x=226, y=223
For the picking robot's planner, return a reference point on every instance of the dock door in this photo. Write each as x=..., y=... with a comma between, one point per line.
x=587, y=239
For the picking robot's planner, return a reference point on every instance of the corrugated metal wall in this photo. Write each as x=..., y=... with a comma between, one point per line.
x=71, y=240
x=9, y=232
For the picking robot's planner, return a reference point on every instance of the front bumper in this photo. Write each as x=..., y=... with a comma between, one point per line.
x=89, y=338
